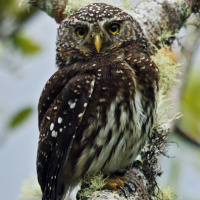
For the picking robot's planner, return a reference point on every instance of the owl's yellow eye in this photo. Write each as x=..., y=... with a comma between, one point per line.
x=114, y=28
x=80, y=32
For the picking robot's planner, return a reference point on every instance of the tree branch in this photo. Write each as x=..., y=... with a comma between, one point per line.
x=156, y=16
x=54, y=8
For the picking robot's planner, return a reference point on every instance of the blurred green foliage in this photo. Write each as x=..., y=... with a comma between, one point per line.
x=12, y=18
x=13, y=15
x=190, y=122
x=25, y=44
x=20, y=117
x=11, y=9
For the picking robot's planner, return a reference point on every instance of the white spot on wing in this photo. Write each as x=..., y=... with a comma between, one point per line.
x=51, y=126
x=102, y=100
x=54, y=133
x=80, y=115
x=60, y=119
x=73, y=105
x=60, y=129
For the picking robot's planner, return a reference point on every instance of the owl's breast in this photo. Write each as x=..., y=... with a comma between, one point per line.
x=114, y=119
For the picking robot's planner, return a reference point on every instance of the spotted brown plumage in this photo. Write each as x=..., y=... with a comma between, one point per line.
x=97, y=110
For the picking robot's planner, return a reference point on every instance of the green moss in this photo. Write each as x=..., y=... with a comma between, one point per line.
x=91, y=184
x=126, y=5
x=166, y=35
x=75, y=5
x=169, y=70
x=30, y=190
x=166, y=193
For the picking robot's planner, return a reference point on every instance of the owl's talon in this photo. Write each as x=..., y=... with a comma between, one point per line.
x=119, y=183
x=128, y=186
x=133, y=183
x=122, y=190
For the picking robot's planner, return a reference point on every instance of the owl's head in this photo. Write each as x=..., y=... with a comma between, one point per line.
x=94, y=30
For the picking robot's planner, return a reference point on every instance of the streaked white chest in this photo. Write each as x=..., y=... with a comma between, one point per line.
x=122, y=148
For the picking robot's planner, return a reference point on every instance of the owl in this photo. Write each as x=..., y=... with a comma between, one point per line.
x=97, y=110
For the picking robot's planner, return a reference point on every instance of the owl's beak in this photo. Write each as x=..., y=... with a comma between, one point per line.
x=97, y=41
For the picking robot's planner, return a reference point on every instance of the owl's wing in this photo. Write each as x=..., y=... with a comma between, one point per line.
x=61, y=108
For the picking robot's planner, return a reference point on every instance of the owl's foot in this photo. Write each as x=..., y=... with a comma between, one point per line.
x=119, y=183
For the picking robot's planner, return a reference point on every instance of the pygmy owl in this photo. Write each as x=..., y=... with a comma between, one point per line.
x=97, y=110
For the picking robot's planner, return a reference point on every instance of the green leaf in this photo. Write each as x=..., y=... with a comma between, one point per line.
x=25, y=44
x=20, y=117
x=191, y=107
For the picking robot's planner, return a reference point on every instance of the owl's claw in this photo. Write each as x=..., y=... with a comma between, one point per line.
x=122, y=190
x=133, y=183
x=128, y=186
x=118, y=183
